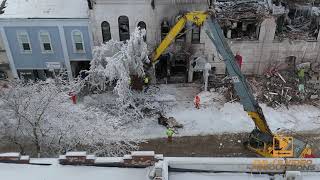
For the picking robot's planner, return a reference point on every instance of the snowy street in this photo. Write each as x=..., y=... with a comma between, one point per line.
x=216, y=117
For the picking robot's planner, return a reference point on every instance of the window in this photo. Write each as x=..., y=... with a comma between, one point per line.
x=24, y=42
x=165, y=28
x=195, y=38
x=77, y=38
x=45, y=42
x=142, y=25
x=105, y=28
x=124, y=32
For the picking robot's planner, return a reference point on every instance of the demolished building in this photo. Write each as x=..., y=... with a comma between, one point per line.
x=251, y=27
x=297, y=20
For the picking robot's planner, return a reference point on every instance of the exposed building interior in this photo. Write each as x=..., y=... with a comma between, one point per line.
x=297, y=20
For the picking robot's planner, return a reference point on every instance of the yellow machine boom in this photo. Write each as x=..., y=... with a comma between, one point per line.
x=196, y=17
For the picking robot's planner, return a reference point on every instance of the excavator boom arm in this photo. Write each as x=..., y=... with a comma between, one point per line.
x=249, y=103
x=196, y=17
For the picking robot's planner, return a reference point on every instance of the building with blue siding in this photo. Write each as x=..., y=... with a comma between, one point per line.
x=41, y=37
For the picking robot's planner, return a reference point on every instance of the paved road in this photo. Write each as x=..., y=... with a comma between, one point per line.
x=211, y=145
x=225, y=145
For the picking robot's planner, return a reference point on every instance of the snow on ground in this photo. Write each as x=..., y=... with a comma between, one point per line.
x=55, y=172
x=216, y=117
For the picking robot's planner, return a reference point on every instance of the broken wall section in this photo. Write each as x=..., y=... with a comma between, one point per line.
x=259, y=55
x=296, y=20
x=241, y=20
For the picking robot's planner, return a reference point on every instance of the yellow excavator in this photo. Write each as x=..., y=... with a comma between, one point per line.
x=261, y=140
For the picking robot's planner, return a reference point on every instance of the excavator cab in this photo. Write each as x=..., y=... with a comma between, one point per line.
x=260, y=143
x=277, y=146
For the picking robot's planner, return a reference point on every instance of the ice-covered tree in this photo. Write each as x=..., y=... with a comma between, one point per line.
x=40, y=115
x=42, y=112
x=112, y=66
x=29, y=107
x=115, y=61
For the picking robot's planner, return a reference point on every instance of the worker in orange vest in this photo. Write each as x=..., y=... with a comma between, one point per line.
x=197, y=102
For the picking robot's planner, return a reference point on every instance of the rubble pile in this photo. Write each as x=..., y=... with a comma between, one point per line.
x=276, y=88
x=241, y=19
x=241, y=10
x=298, y=22
x=279, y=89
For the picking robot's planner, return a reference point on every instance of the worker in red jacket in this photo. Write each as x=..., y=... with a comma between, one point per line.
x=238, y=58
x=197, y=102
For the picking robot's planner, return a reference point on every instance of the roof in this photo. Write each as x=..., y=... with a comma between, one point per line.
x=13, y=154
x=54, y=172
x=142, y=153
x=74, y=153
x=45, y=9
x=180, y=169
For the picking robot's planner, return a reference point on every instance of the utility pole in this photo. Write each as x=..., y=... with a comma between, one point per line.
x=2, y=6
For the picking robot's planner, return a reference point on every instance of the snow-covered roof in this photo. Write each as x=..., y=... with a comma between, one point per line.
x=24, y=158
x=127, y=156
x=101, y=160
x=54, y=172
x=142, y=153
x=12, y=154
x=45, y=9
x=75, y=153
x=62, y=156
x=91, y=156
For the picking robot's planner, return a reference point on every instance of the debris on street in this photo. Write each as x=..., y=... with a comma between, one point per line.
x=170, y=122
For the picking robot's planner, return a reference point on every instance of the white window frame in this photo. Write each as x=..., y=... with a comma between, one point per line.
x=41, y=42
x=74, y=43
x=20, y=42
